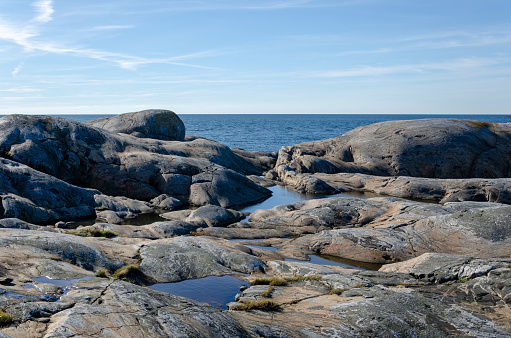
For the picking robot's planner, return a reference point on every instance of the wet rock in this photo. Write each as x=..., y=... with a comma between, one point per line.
x=153, y=123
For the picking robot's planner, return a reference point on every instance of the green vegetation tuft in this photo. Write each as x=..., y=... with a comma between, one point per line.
x=304, y=278
x=5, y=318
x=337, y=291
x=102, y=273
x=279, y=281
x=274, y=281
x=262, y=304
x=131, y=273
x=138, y=257
x=267, y=293
x=95, y=233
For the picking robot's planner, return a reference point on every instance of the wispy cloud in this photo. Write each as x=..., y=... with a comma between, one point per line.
x=21, y=90
x=108, y=28
x=17, y=69
x=439, y=40
x=454, y=65
x=44, y=9
x=25, y=37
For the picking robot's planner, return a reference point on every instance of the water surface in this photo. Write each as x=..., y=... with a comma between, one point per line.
x=213, y=290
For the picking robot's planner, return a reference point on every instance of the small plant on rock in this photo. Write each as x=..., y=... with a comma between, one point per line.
x=95, y=233
x=262, y=304
x=102, y=273
x=5, y=318
x=267, y=293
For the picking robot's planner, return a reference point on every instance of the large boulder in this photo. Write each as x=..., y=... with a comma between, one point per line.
x=188, y=257
x=196, y=172
x=36, y=197
x=152, y=123
x=436, y=148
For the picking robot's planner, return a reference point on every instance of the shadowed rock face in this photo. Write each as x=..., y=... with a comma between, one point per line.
x=121, y=165
x=434, y=148
x=36, y=197
x=153, y=123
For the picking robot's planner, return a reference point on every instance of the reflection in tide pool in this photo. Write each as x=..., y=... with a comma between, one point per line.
x=216, y=291
x=269, y=248
x=338, y=261
x=284, y=195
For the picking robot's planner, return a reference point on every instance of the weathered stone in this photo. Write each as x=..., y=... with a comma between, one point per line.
x=214, y=216
x=153, y=123
x=122, y=165
x=165, y=202
x=262, y=160
x=440, y=148
x=483, y=231
x=187, y=257
x=93, y=309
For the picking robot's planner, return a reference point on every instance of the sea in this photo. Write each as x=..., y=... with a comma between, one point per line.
x=270, y=132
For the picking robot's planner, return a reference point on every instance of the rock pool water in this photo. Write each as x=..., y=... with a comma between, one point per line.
x=285, y=195
x=214, y=290
x=338, y=261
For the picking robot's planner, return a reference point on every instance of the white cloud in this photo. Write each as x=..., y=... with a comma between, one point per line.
x=17, y=69
x=454, y=65
x=24, y=37
x=20, y=90
x=44, y=9
x=111, y=27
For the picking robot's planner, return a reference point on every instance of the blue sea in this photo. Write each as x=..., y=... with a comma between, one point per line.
x=265, y=132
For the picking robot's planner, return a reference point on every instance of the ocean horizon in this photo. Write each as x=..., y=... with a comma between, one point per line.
x=270, y=132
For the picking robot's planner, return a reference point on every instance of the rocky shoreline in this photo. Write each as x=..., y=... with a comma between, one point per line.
x=439, y=223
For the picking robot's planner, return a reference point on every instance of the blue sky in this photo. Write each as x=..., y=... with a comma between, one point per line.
x=255, y=56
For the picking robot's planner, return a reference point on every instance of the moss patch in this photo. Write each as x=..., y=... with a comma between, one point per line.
x=5, y=318
x=262, y=304
x=95, y=233
x=102, y=274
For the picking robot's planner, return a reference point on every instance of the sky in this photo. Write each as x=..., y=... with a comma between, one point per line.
x=255, y=56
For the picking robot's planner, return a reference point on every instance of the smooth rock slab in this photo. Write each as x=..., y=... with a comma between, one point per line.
x=183, y=258
x=108, y=308
x=435, y=148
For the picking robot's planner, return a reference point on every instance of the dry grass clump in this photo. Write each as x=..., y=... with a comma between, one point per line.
x=102, y=273
x=262, y=304
x=95, y=233
x=267, y=293
x=279, y=281
x=274, y=281
x=5, y=318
